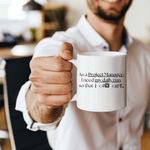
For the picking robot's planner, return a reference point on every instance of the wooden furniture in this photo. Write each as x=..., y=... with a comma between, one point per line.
x=44, y=30
x=53, y=19
x=145, y=140
x=20, y=50
x=4, y=136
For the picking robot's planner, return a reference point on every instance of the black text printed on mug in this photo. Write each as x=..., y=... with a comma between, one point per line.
x=101, y=80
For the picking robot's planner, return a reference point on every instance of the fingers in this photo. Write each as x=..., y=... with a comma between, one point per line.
x=54, y=100
x=50, y=64
x=50, y=77
x=66, y=51
x=51, y=89
x=55, y=63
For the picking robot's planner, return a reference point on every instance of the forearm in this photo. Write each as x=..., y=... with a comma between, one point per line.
x=39, y=112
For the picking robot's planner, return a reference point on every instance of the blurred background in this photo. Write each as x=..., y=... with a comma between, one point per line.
x=18, y=24
x=23, y=23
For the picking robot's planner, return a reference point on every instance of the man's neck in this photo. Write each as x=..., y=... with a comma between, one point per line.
x=111, y=32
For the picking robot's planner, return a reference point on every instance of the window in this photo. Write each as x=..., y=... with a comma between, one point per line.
x=12, y=10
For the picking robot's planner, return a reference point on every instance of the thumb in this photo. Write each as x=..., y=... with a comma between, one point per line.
x=66, y=51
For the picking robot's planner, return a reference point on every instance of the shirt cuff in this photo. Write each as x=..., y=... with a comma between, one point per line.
x=32, y=125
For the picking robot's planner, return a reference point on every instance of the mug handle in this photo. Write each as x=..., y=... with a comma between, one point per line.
x=74, y=79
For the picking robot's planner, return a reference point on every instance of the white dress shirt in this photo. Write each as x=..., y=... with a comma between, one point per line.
x=83, y=130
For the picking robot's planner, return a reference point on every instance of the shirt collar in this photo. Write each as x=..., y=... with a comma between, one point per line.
x=128, y=39
x=94, y=38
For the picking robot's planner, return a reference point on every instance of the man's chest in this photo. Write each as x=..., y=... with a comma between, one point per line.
x=137, y=83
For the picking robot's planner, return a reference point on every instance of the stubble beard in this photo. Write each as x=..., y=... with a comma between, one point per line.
x=109, y=17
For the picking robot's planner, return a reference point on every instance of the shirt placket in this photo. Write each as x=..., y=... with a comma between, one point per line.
x=120, y=130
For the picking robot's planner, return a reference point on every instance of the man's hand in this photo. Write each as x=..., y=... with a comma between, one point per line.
x=51, y=85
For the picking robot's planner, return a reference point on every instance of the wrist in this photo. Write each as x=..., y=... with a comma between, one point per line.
x=39, y=112
x=47, y=126
x=48, y=115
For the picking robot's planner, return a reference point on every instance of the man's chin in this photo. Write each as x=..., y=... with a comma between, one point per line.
x=111, y=1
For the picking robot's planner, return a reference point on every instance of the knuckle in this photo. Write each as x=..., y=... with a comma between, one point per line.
x=33, y=63
x=33, y=77
x=36, y=87
x=30, y=77
x=37, y=63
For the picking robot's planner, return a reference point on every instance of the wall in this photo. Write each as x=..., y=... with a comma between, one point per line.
x=137, y=19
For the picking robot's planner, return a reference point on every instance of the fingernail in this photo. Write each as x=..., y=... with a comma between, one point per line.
x=67, y=51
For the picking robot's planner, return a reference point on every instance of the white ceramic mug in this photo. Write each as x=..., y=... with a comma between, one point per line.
x=101, y=81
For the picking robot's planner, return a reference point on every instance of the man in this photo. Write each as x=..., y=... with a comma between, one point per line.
x=49, y=90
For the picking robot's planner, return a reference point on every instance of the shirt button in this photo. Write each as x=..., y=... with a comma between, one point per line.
x=104, y=47
x=120, y=119
x=120, y=148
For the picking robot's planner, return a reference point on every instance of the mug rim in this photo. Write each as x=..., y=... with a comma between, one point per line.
x=99, y=54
